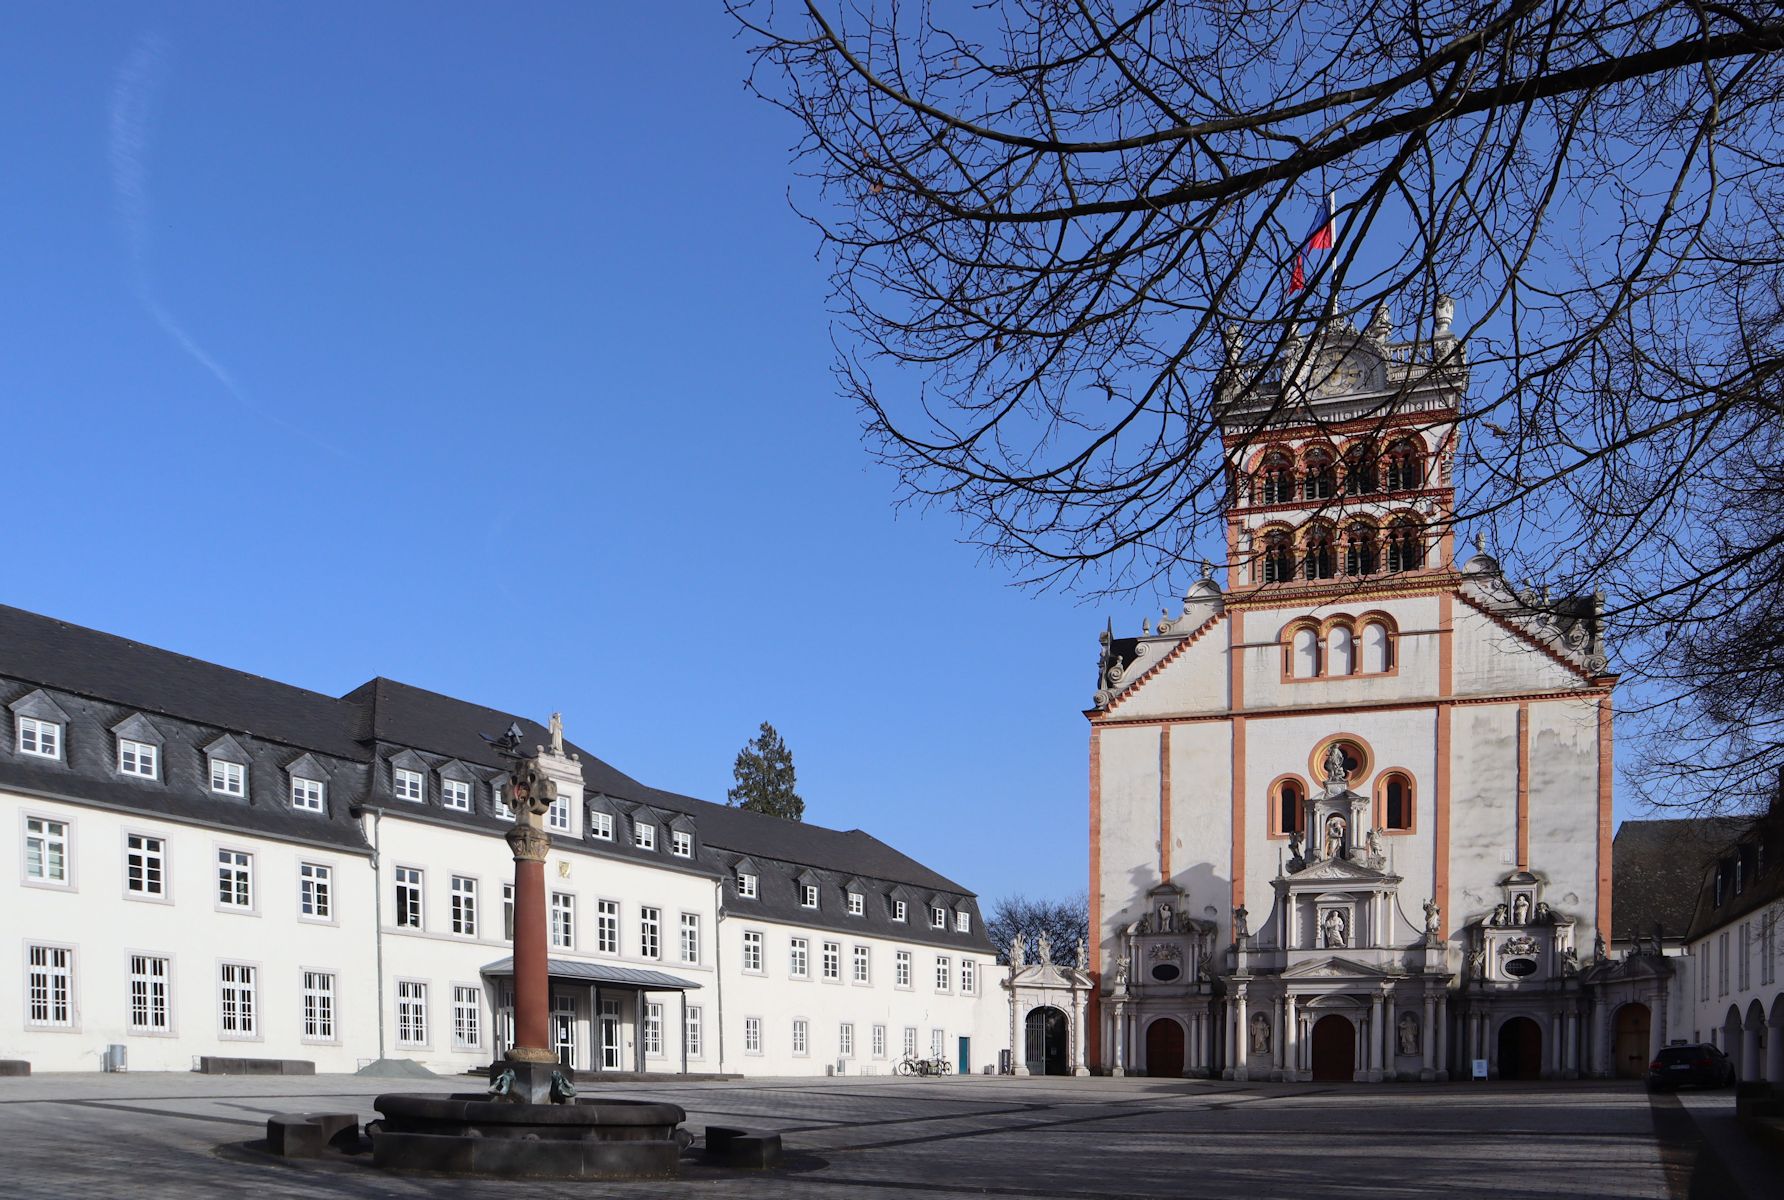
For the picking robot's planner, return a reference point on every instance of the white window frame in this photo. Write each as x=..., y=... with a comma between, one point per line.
x=650, y=932
x=66, y=997
x=409, y=912
x=753, y=950
x=681, y=843
x=239, y=867
x=607, y=921
x=938, y=1043
x=455, y=794
x=944, y=974
x=845, y=1040
x=229, y=778
x=900, y=911
x=801, y=1037
x=910, y=1041
x=152, y=868
x=411, y=1012
x=652, y=1030
x=691, y=1031
x=861, y=964
x=878, y=1044
x=315, y=889
x=62, y=838
x=752, y=1035
x=563, y=921
x=644, y=835
x=408, y=785
x=857, y=904
x=309, y=795
x=808, y=895
x=798, y=958
x=463, y=893
x=139, y=760
x=690, y=938
x=38, y=738
x=467, y=1016
x=969, y=977
x=938, y=917
x=902, y=970
x=558, y=815
x=150, y=994
x=832, y=962
x=600, y=825
x=507, y=912
x=319, y=1017
x=746, y=885
x=238, y=982
x=963, y=921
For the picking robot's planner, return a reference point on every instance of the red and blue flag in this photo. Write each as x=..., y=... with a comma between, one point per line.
x=1321, y=236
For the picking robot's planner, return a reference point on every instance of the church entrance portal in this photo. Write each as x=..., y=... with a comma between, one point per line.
x=1520, y=1049
x=1334, y=1050
x=1164, y=1048
x=1630, y=1047
x=1045, y=1042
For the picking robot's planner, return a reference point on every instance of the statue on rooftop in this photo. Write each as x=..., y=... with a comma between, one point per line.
x=557, y=734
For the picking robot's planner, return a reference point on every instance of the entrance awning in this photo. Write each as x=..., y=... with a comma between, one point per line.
x=574, y=971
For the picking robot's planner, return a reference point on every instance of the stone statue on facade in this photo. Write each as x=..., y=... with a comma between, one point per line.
x=1240, y=916
x=1166, y=919
x=1333, y=926
x=1409, y=1034
x=1446, y=315
x=1377, y=851
x=1477, y=962
x=1018, y=950
x=557, y=734
x=1544, y=914
x=1043, y=949
x=1337, y=773
x=1433, y=917
x=1260, y=1034
x=1334, y=843
x=1520, y=910
x=1500, y=915
x=1083, y=955
x=1296, y=860
x=1121, y=975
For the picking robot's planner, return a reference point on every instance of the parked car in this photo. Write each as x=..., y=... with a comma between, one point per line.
x=1699, y=1065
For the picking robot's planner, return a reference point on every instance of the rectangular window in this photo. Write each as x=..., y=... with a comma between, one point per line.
x=455, y=794
x=681, y=844
x=808, y=895
x=600, y=825
x=464, y=906
x=235, y=879
x=752, y=1035
x=653, y=1029
x=863, y=964
x=938, y=917
x=1746, y=958
x=240, y=999
x=306, y=794
x=495, y=791
x=650, y=933
x=408, y=897
x=963, y=922
x=901, y=975
x=229, y=778
x=938, y=1043
x=508, y=912
x=752, y=951
x=845, y=1040
x=899, y=910
x=941, y=973
x=799, y=1028
x=691, y=1033
x=910, y=1041
x=1722, y=964
x=409, y=785
x=607, y=926
x=690, y=937
x=1768, y=948
x=145, y=865
x=746, y=885
x=411, y=1013
x=50, y=987
x=833, y=960
x=644, y=835
x=467, y=1017
x=857, y=904
x=315, y=891
x=46, y=850
x=319, y=1006
x=558, y=815
x=563, y=920
x=797, y=958
x=148, y=995
x=136, y=758
x=41, y=738
x=969, y=976
x=1703, y=973
x=879, y=1041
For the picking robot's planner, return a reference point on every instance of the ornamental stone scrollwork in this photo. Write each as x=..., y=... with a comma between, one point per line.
x=529, y=843
x=1165, y=952
x=1521, y=944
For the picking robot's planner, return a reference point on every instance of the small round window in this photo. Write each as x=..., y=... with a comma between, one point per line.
x=1165, y=972
x=1520, y=967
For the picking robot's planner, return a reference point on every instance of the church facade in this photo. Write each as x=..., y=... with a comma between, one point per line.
x=1350, y=814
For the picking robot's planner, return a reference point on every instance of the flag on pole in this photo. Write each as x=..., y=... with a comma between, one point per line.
x=1322, y=236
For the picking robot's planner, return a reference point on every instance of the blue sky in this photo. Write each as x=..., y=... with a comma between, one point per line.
x=479, y=348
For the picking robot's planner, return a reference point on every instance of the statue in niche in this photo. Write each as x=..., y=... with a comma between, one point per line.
x=1477, y=962
x=1433, y=917
x=1165, y=919
x=1044, y=949
x=1520, y=910
x=1334, y=843
x=1544, y=914
x=1240, y=916
x=1121, y=975
x=1409, y=1034
x=1337, y=774
x=1333, y=926
x=1260, y=1034
x=1570, y=961
x=1499, y=916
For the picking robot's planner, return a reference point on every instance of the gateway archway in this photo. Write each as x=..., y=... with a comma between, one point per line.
x=1045, y=1042
x=1520, y=1049
x=1629, y=1046
x=1334, y=1049
x=1164, y=1047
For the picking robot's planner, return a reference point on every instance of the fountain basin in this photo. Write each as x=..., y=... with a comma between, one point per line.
x=590, y=1138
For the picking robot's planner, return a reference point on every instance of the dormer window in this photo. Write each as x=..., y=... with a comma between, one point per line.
x=500, y=798
x=746, y=885
x=307, y=794
x=137, y=758
x=229, y=778
x=644, y=835
x=42, y=739
x=938, y=917
x=808, y=895
x=681, y=843
x=963, y=922
x=455, y=794
x=900, y=911
x=409, y=785
x=558, y=815
x=600, y=825
x=857, y=904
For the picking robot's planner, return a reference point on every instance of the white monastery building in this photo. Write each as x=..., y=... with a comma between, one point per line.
x=209, y=863
x=1350, y=817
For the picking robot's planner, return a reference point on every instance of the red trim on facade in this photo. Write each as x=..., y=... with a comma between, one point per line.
x=1606, y=761
x=1093, y=1018
x=1440, y=780
x=1128, y=689
x=1236, y=697
x=1535, y=643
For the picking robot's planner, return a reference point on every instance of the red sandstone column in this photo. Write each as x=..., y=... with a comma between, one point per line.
x=532, y=1004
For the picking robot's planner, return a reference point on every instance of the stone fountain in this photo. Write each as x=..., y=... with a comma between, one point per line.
x=531, y=1122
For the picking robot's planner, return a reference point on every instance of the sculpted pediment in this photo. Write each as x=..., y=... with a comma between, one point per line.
x=1333, y=967
x=1341, y=870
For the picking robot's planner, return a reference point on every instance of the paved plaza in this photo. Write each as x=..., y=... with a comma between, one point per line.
x=192, y=1136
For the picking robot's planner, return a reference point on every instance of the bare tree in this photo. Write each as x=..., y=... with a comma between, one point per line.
x=1041, y=214
x=1065, y=922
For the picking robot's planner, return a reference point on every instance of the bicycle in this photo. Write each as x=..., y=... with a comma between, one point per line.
x=924, y=1066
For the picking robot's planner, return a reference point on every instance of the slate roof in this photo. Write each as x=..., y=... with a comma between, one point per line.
x=593, y=972
x=1657, y=870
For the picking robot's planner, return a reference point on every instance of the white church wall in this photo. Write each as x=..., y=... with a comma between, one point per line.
x=1129, y=831
x=1564, y=808
x=1201, y=808
x=1483, y=805
x=1194, y=681
x=1490, y=659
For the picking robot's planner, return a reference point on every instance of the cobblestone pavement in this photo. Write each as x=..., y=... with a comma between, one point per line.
x=189, y=1136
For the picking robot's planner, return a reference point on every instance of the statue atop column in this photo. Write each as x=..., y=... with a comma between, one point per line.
x=1044, y=949
x=1018, y=950
x=1433, y=917
x=1337, y=772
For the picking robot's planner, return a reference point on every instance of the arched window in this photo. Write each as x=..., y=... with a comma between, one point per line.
x=1340, y=650
x=1304, y=653
x=1402, y=465
x=1406, y=546
x=1318, y=559
x=1395, y=790
x=1360, y=554
x=1288, y=808
x=1279, y=557
x=1378, y=648
x=1319, y=476
x=1359, y=470
x=1277, y=478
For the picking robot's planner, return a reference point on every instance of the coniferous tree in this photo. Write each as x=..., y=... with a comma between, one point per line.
x=764, y=777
